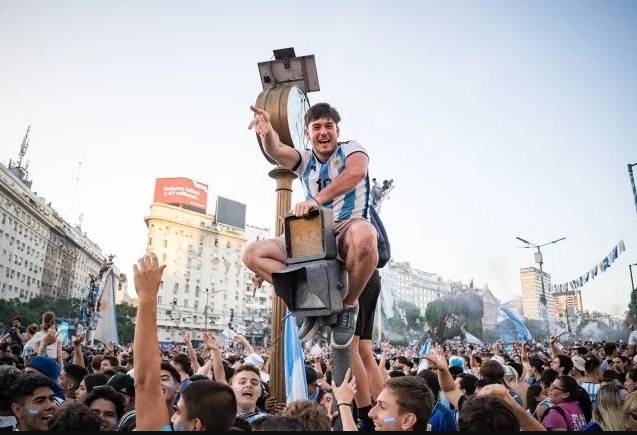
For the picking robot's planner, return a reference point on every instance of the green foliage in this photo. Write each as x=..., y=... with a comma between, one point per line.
x=125, y=315
x=537, y=328
x=490, y=336
x=31, y=312
x=466, y=307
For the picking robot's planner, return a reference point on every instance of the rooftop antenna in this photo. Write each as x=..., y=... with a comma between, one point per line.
x=16, y=167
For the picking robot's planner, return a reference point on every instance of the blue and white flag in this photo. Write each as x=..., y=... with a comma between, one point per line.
x=106, y=326
x=424, y=350
x=520, y=327
x=294, y=362
x=472, y=339
x=387, y=301
x=426, y=347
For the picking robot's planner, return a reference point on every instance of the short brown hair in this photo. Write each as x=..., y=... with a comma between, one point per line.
x=247, y=368
x=413, y=395
x=312, y=414
x=320, y=111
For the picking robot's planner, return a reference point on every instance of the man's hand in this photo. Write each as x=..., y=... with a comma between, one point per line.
x=261, y=122
x=148, y=277
x=50, y=338
x=211, y=343
x=79, y=339
x=497, y=390
x=187, y=338
x=273, y=407
x=346, y=391
x=303, y=208
x=437, y=362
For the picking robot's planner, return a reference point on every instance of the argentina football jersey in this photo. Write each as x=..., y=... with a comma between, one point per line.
x=316, y=175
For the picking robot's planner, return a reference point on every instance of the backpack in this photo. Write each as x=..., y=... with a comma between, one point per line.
x=384, y=249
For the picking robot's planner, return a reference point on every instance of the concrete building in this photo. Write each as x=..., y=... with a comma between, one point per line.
x=571, y=301
x=412, y=285
x=205, y=284
x=40, y=253
x=491, y=308
x=532, y=292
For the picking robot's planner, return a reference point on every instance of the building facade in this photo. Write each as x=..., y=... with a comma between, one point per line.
x=205, y=285
x=531, y=281
x=491, y=308
x=571, y=302
x=40, y=253
x=411, y=285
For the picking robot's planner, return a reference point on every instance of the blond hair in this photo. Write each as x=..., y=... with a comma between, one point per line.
x=608, y=409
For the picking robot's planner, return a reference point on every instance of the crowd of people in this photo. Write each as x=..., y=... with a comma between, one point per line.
x=47, y=386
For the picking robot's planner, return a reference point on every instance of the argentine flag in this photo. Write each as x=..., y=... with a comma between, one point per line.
x=472, y=339
x=520, y=327
x=294, y=363
x=424, y=350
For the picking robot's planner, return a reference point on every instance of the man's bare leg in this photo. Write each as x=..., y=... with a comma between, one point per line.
x=361, y=258
x=263, y=257
x=371, y=367
x=362, y=396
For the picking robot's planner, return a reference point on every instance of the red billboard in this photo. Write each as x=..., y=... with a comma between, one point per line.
x=182, y=191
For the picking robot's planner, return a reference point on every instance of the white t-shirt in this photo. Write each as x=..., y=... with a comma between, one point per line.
x=32, y=346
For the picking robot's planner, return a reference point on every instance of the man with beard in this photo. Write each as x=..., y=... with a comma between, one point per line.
x=33, y=402
x=246, y=384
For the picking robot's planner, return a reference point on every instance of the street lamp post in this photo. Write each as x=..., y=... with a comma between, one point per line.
x=540, y=261
x=632, y=182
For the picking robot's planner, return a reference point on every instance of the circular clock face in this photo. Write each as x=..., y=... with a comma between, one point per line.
x=297, y=106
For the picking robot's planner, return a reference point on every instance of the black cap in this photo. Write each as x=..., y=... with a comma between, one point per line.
x=311, y=375
x=122, y=383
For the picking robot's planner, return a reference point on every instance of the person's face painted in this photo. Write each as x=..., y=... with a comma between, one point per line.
x=168, y=386
x=37, y=410
x=388, y=416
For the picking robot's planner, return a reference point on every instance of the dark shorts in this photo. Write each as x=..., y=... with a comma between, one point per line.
x=367, y=307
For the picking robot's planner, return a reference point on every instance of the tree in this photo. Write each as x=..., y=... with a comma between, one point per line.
x=125, y=315
x=632, y=307
x=447, y=315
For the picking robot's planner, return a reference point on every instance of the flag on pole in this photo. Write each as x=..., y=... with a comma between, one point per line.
x=424, y=350
x=106, y=322
x=294, y=363
x=472, y=339
x=520, y=327
x=621, y=246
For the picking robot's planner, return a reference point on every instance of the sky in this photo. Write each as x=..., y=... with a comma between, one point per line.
x=495, y=119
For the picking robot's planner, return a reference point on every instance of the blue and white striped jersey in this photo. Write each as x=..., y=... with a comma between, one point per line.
x=315, y=176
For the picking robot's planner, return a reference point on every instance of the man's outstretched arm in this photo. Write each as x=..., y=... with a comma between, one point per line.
x=152, y=413
x=283, y=154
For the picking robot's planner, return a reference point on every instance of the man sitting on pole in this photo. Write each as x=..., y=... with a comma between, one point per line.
x=333, y=175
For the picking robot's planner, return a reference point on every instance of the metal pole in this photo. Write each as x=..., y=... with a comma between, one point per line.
x=543, y=300
x=632, y=283
x=632, y=181
x=283, y=178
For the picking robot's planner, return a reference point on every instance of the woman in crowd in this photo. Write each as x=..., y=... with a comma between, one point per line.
x=567, y=413
x=607, y=414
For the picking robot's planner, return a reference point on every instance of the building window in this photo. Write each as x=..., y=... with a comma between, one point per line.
x=176, y=288
x=165, y=243
x=158, y=300
x=185, y=302
x=196, y=303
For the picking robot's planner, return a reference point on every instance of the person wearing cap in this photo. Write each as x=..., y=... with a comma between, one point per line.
x=579, y=371
x=125, y=385
x=48, y=367
x=313, y=388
